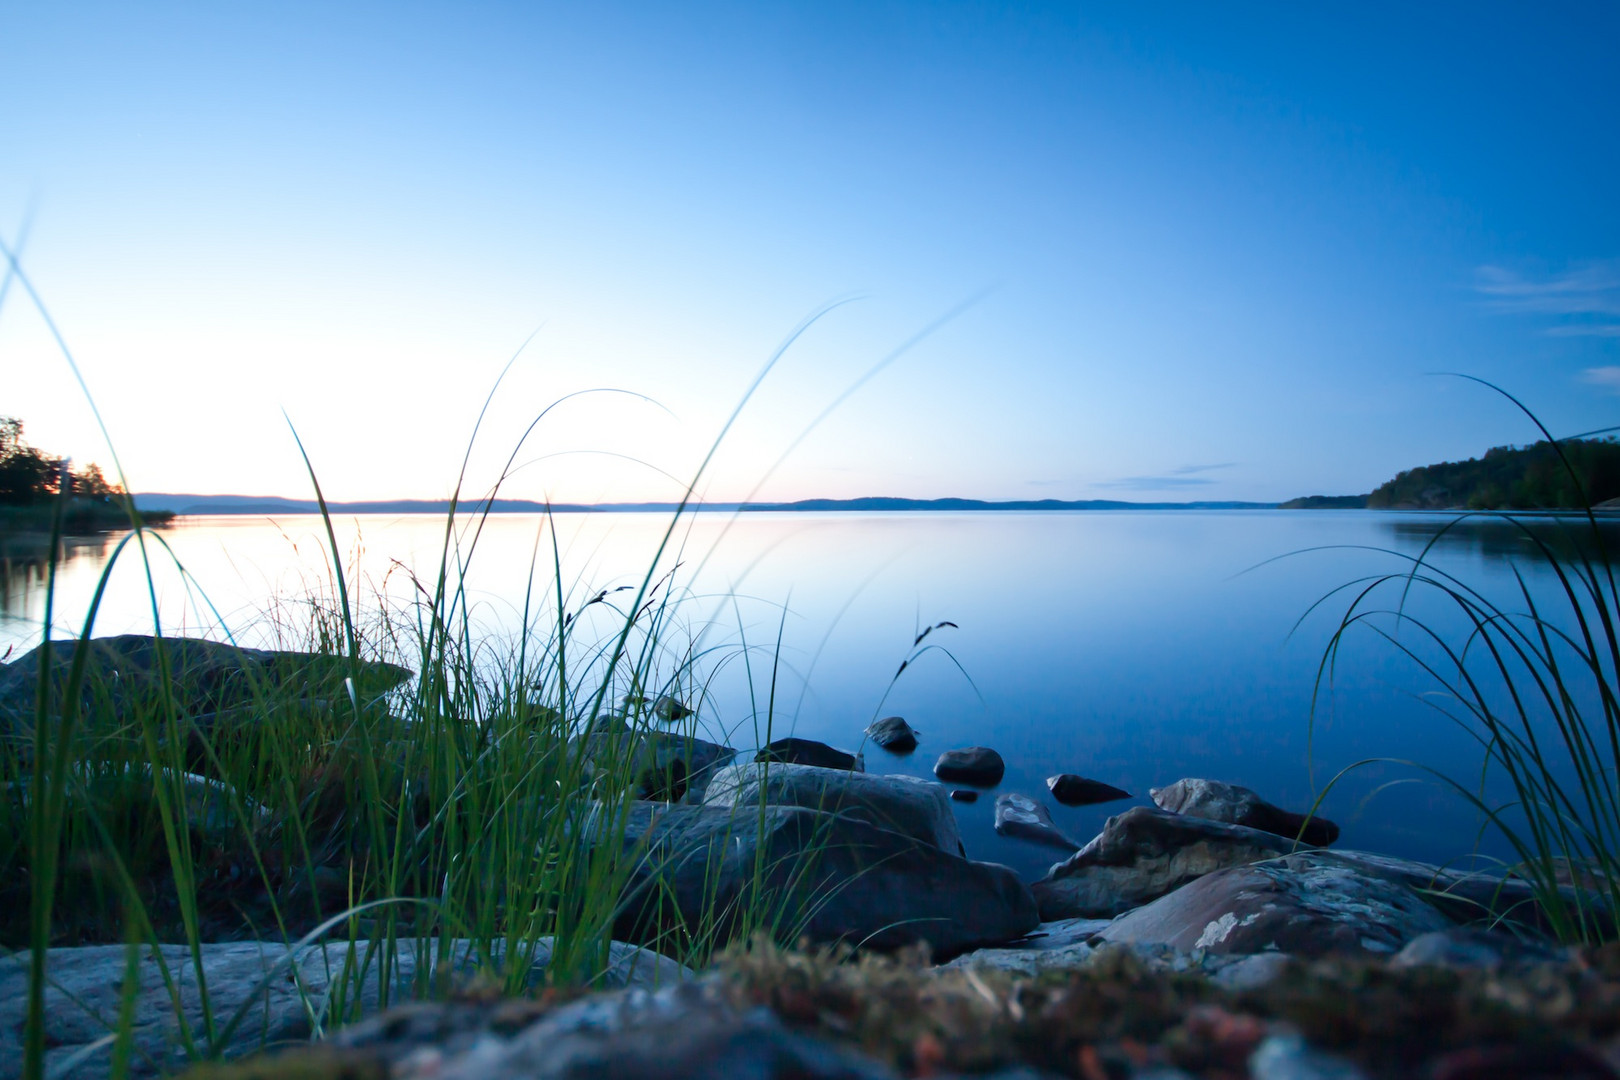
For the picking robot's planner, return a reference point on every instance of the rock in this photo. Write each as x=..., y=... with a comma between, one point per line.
x=1476, y=947
x=1239, y=806
x=1297, y=904
x=893, y=734
x=671, y=709
x=215, y=685
x=121, y=790
x=1072, y=790
x=792, y=751
x=275, y=991
x=1050, y=946
x=1143, y=854
x=665, y=766
x=976, y=765
x=1287, y=1057
x=831, y=877
x=964, y=795
x=905, y=804
x=1026, y=819
x=686, y=1032
x=1252, y=972
x=1545, y=1060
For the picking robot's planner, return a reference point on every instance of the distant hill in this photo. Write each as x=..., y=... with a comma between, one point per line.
x=270, y=504
x=1325, y=502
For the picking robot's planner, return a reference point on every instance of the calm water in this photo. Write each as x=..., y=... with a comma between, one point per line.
x=1135, y=648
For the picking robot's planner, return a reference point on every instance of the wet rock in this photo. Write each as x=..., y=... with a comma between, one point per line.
x=976, y=765
x=832, y=876
x=964, y=795
x=1296, y=904
x=278, y=988
x=905, y=804
x=686, y=1032
x=794, y=751
x=893, y=734
x=1476, y=947
x=1072, y=790
x=1287, y=1057
x=1143, y=854
x=1024, y=818
x=1239, y=806
x=213, y=684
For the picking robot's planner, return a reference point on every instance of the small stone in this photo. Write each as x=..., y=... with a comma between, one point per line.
x=976, y=765
x=1022, y=817
x=893, y=734
x=1072, y=790
x=1287, y=1057
x=671, y=709
x=1215, y=801
x=964, y=795
x=794, y=751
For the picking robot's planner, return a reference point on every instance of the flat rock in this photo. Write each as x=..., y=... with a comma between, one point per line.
x=893, y=734
x=906, y=804
x=831, y=878
x=1022, y=817
x=1235, y=805
x=1297, y=904
x=210, y=682
x=686, y=1032
x=1051, y=946
x=795, y=751
x=282, y=996
x=1462, y=947
x=1072, y=790
x=1141, y=855
x=976, y=765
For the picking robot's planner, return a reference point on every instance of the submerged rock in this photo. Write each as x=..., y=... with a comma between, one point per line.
x=893, y=734
x=1022, y=817
x=794, y=751
x=976, y=765
x=1072, y=790
x=1235, y=805
x=1143, y=854
x=832, y=877
x=905, y=804
x=1298, y=904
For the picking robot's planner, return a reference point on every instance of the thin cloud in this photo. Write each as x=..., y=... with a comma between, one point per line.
x=1606, y=377
x=1588, y=294
x=1188, y=470
x=1155, y=483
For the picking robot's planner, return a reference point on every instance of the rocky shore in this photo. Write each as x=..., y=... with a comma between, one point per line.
x=1211, y=934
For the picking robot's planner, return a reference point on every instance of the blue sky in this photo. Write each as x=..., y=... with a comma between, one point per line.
x=1210, y=252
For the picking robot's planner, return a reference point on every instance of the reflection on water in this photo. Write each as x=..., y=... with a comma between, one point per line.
x=25, y=560
x=1501, y=539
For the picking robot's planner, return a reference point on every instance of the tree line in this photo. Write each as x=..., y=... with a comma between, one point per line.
x=1511, y=478
x=29, y=476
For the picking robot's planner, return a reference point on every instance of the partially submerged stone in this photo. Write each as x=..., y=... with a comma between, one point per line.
x=828, y=877
x=1239, y=806
x=1072, y=790
x=976, y=765
x=964, y=795
x=1022, y=817
x=1143, y=854
x=893, y=734
x=905, y=804
x=796, y=751
x=1298, y=904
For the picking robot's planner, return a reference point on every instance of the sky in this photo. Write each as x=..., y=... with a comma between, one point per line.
x=1069, y=251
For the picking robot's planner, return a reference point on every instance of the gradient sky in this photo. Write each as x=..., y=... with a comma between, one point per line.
x=1209, y=251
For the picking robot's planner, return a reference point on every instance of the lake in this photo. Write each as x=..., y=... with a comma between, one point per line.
x=1135, y=648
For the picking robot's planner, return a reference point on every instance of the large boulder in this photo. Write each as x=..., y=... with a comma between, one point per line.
x=281, y=995
x=827, y=877
x=212, y=683
x=1299, y=904
x=976, y=765
x=1239, y=806
x=1022, y=817
x=665, y=766
x=796, y=751
x=1142, y=854
x=904, y=804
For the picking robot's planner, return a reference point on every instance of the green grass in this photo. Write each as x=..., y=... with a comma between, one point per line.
x=1536, y=682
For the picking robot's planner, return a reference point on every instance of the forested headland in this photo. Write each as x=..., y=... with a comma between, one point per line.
x=1532, y=477
x=33, y=482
